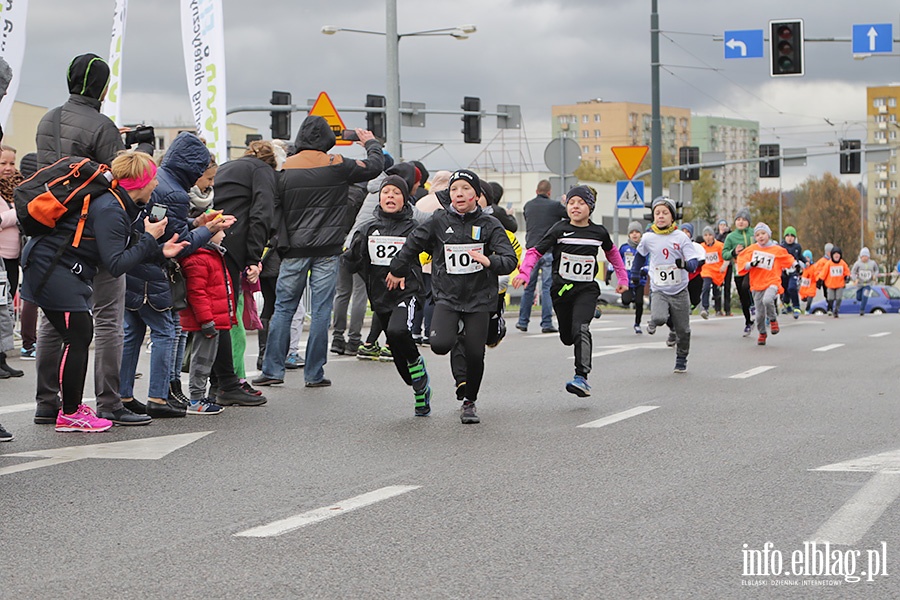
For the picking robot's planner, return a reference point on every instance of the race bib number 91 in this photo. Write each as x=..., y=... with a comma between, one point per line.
x=382, y=248
x=458, y=260
x=763, y=260
x=666, y=275
x=575, y=267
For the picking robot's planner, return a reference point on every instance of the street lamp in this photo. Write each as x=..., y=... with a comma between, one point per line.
x=392, y=43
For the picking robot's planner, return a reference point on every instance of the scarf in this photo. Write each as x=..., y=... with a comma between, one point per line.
x=8, y=185
x=665, y=231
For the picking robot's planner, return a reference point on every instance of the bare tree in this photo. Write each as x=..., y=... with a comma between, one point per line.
x=827, y=210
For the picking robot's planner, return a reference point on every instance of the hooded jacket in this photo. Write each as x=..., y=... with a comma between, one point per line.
x=313, y=190
x=83, y=130
x=210, y=291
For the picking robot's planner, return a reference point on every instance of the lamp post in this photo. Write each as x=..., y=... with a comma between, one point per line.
x=392, y=44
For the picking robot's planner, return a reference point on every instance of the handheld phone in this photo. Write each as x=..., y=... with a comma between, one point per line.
x=158, y=213
x=349, y=135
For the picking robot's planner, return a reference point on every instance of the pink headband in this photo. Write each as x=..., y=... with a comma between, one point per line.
x=137, y=183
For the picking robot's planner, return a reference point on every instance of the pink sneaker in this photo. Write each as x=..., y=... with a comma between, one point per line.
x=83, y=419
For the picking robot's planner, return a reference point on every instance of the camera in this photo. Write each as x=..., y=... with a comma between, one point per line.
x=349, y=135
x=158, y=213
x=142, y=134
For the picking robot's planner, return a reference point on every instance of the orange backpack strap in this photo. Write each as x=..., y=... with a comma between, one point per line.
x=79, y=229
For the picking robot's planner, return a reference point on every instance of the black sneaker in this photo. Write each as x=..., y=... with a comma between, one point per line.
x=176, y=396
x=5, y=436
x=123, y=416
x=239, y=397
x=165, y=411
x=467, y=413
x=136, y=406
x=338, y=345
x=680, y=364
x=266, y=380
x=318, y=384
x=45, y=415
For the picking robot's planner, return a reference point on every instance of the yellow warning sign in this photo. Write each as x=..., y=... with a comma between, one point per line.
x=630, y=158
x=323, y=107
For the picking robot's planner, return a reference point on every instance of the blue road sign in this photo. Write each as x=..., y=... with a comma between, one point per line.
x=873, y=39
x=745, y=43
x=630, y=194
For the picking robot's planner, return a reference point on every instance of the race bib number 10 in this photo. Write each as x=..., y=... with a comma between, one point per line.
x=382, y=248
x=458, y=260
x=666, y=275
x=575, y=267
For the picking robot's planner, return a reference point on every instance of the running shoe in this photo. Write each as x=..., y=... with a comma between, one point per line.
x=796, y=313
x=747, y=329
x=680, y=365
x=386, y=355
x=423, y=402
x=338, y=345
x=83, y=419
x=203, y=407
x=27, y=354
x=5, y=436
x=369, y=352
x=294, y=361
x=651, y=327
x=467, y=413
x=579, y=386
x=704, y=314
x=761, y=340
x=637, y=329
x=719, y=313
x=671, y=340
x=773, y=326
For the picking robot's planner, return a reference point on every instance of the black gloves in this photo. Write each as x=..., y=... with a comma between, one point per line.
x=679, y=262
x=208, y=329
x=635, y=280
x=819, y=284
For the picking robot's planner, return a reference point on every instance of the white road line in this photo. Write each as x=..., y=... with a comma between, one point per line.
x=28, y=406
x=827, y=348
x=320, y=514
x=618, y=350
x=882, y=334
x=608, y=329
x=626, y=414
x=752, y=372
x=849, y=524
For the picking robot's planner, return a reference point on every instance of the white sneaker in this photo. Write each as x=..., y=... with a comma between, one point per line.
x=704, y=313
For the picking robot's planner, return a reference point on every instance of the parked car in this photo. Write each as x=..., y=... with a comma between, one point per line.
x=882, y=299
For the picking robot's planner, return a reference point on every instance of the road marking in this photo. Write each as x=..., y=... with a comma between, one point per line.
x=153, y=448
x=882, y=334
x=626, y=414
x=827, y=348
x=752, y=372
x=599, y=329
x=320, y=514
x=27, y=406
x=618, y=349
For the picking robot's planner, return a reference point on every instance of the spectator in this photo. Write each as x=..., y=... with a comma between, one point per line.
x=10, y=250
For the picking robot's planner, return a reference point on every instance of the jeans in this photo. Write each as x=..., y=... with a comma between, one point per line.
x=545, y=266
x=162, y=334
x=322, y=274
x=862, y=296
x=716, y=292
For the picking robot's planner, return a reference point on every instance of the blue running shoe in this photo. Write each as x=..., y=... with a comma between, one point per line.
x=579, y=386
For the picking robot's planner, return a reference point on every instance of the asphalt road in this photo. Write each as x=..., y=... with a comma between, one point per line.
x=668, y=501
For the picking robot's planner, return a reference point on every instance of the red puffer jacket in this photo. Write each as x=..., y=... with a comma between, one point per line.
x=210, y=294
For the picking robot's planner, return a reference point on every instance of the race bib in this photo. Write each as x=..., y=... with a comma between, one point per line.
x=763, y=260
x=712, y=258
x=666, y=275
x=805, y=282
x=458, y=260
x=382, y=248
x=629, y=260
x=836, y=271
x=3, y=291
x=865, y=275
x=576, y=267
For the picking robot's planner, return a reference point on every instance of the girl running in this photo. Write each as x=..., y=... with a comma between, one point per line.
x=574, y=244
x=763, y=263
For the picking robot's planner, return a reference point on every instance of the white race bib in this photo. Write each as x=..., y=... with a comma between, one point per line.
x=836, y=271
x=805, y=282
x=458, y=260
x=664, y=275
x=712, y=258
x=382, y=248
x=3, y=291
x=763, y=260
x=629, y=260
x=865, y=275
x=576, y=267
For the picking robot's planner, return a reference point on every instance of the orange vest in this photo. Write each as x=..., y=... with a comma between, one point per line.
x=808, y=282
x=833, y=273
x=714, y=262
x=774, y=259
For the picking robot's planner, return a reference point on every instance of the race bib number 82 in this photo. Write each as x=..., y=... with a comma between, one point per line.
x=382, y=248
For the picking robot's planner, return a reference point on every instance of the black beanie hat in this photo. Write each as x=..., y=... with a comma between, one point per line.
x=88, y=75
x=469, y=177
x=583, y=192
x=422, y=170
x=398, y=182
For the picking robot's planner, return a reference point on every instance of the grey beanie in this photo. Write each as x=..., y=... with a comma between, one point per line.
x=668, y=202
x=828, y=248
x=708, y=230
x=865, y=252
x=743, y=213
x=635, y=226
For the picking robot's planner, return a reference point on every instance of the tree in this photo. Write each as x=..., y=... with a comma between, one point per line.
x=763, y=207
x=828, y=211
x=890, y=251
x=588, y=172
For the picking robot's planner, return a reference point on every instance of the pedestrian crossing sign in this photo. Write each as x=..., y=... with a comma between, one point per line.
x=324, y=107
x=630, y=194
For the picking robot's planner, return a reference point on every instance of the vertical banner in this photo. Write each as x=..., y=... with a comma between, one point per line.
x=12, y=48
x=203, y=35
x=112, y=108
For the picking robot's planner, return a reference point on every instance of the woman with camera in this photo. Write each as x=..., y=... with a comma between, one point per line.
x=61, y=283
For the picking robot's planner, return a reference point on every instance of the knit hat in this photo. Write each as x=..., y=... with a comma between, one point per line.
x=708, y=230
x=864, y=252
x=88, y=75
x=722, y=222
x=583, y=192
x=422, y=170
x=743, y=213
x=688, y=228
x=470, y=178
x=762, y=227
x=807, y=254
x=828, y=248
x=398, y=182
x=789, y=230
x=635, y=226
x=835, y=250
x=670, y=204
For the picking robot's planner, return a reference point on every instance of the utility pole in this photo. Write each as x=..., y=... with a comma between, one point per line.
x=392, y=93
x=656, y=179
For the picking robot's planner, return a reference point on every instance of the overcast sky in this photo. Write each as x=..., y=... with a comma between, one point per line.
x=534, y=53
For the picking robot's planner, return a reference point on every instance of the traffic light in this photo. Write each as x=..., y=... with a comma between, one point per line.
x=281, y=120
x=689, y=155
x=786, y=48
x=851, y=161
x=471, y=123
x=375, y=120
x=772, y=167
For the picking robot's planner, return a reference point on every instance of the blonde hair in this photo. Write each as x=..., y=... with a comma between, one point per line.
x=264, y=151
x=5, y=148
x=131, y=164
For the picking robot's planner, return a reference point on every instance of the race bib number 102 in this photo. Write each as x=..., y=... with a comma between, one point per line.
x=575, y=267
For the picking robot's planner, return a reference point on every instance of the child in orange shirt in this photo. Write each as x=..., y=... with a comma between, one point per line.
x=835, y=275
x=764, y=260
x=713, y=272
x=807, y=289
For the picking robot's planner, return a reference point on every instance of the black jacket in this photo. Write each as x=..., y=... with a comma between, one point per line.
x=312, y=196
x=541, y=213
x=245, y=188
x=84, y=131
x=358, y=259
x=471, y=292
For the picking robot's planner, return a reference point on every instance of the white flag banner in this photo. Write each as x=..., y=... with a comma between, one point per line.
x=112, y=107
x=12, y=48
x=203, y=34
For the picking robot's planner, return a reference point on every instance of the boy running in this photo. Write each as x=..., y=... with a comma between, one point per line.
x=835, y=275
x=635, y=293
x=713, y=273
x=764, y=262
x=864, y=272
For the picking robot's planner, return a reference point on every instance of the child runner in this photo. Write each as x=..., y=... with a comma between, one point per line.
x=635, y=293
x=370, y=254
x=821, y=268
x=735, y=243
x=672, y=257
x=835, y=275
x=574, y=244
x=808, y=280
x=790, y=280
x=764, y=261
x=470, y=251
x=713, y=273
x=864, y=272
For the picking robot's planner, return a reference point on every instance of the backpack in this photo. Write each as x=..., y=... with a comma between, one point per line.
x=61, y=192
